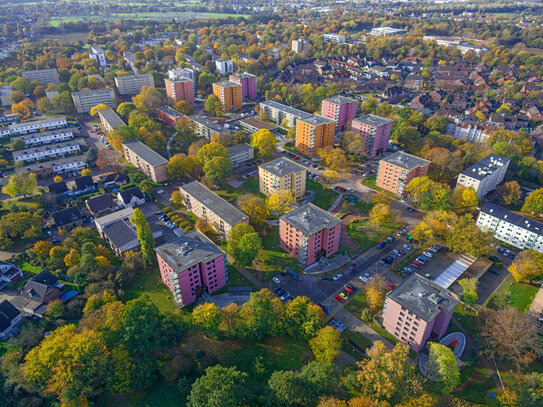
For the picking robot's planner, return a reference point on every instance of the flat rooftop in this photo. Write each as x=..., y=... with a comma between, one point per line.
x=486, y=166
x=257, y=123
x=310, y=219
x=225, y=84
x=423, y=297
x=92, y=92
x=340, y=100
x=243, y=75
x=145, y=153
x=373, y=120
x=171, y=112
x=112, y=118
x=316, y=120
x=284, y=108
x=406, y=161
x=211, y=124
x=239, y=148
x=282, y=166
x=513, y=218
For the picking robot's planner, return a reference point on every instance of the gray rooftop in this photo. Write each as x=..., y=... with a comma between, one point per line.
x=373, y=120
x=92, y=92
x=284, y=108
x=145, y=153
x=406, y=161
x=96, y=49
x=316, y=119
x=310, y=219
x=340, y=100
x=211, y=124
x=239, y=148
x=188, y=250
x=47, y=147
x=513, y=218
x=423, y=297
x=112, y=118
x=125, y=213
x=226, y=83
x=50, y=164
x=243, y=75
x=121, y=233
x=486, y=166
x=224, y=210
x=282, y=166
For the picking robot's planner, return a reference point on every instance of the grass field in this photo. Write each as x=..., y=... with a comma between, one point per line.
x=151, y=284
x=232, y=194
x=366, y=234
x=324, y=196
x=273, y=258
x=519, y=295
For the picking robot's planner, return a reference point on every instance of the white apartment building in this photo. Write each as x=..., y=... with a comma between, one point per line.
x=85, y=100
x=48, y=151
x=131, y=60
x=59, y=166
x=45, y=76
x=176, y=74
x=224, y=66
x=511, y=228
x=98, y=54
x=132, y=84
x=340, y=39
x=50, y=123
x=485, y=175
x=276, y=112
x=300, y=45
x=5, y=92
x=48, y=137
x=240, y=153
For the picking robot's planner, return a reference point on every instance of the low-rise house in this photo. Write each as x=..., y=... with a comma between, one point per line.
x=241, y=153
x=39, y=291
x=47, y=137
x=131, y=197
x=58, y=166
x=100, y=205
x=10, y=317
x=102, y=222
x=48, y=151
x=67, y=218
x=114, y=179
x=9, y=272
x=58, y=188
x=84, y=185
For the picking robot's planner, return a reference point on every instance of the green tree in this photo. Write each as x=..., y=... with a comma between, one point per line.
x=205, y=81
x=220, y=387
x=207, y=317
x=470, y=290
x=429, y=194
x=466, y=237
x=247, y=249
x=140, y=326
x=534, y=203
x=326, y=344
x=175, y=167
x=17, y=144
x=264, y=142
x=20, y=184
x=148, y=99
x=236, y=233
x=218, y=168
x=145, y=235
x=23, y=85
x=213, y=105
x=303, y=317
x=443, y=367
x=124, y=109
x=262, y=315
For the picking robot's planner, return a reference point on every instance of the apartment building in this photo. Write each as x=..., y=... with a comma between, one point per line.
x=339, y=108
x=180, y=89
x=169, y=115
x=485, y=175
x=224, y=66
x=110, y=120
x=282, y=174
x=147, y=160
x=313, y=133
x=376, y=132
x=229, y=94
x=131, y=61
x=47, y=137
x=309, y=233
x=178, y=73
x=248, y=84
x=85, y=100
x=511, y=228
x=300, y=45
x=416, y=309
x=277, y=112
x=206, y=204
x=5, y=93
x=54, y=167
x=252, y=125
x=205, y=128
x=340, y=39
x=98, y=54
x=191, y=265
x=44, y=76
x=132, y=84
x=34, y=126
x=398, y=169
x=241, y=153
x=48, y=151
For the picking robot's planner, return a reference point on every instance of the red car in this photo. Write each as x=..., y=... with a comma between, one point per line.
x=391, y=286
x=338, y=298
x=348, y=290
x=418, y=263
x=296, y=157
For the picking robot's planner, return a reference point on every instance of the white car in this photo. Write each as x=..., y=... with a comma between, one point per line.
x=364, y=279
x=428, y=254
x=350, y=190
x=368, y=276
x=276, y=280
x=337, y=277
x=406, y=246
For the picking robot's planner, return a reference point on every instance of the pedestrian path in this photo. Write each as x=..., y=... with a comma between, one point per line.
x=356, y=325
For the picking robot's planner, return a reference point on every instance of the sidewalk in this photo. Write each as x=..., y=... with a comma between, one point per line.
x=356, y=325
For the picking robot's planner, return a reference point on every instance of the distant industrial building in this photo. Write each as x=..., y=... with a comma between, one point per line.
x=132, y=84
x=485, y=175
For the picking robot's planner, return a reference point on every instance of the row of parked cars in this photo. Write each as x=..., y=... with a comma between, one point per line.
x=102, y=136
x=394, y=254
x=283, y=294
x=164, y=218
x=422, y=259
x=347, y=291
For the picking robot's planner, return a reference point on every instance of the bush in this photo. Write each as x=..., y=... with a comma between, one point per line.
x=366, y=315
x=189, y=228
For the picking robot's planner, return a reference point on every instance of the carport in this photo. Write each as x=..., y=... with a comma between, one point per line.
x=455, y=270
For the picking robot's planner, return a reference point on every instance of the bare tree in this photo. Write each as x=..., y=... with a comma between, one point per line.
x=107, y=158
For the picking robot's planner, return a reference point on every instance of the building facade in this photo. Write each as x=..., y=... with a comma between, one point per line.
x=282, y=174
x=206, y=204
x=147, y=160
x=417, y=310
x=224, y=66
x=44, y=76
x=34, y=126
x=277, y=112
x=313, y=133
x=241, y=153
x=485, y=175
x=180, y=89
x=248, y=84
x=85, y=100
x=47, y=137
x=339, y=108
x=191, y=265
x=376, y=132
x=58, y=166
x=98, y=54
x=178, y=73
x=229, y=94
x=169, y=115
x=511, y=228
x=309, y=233
x=300, y=45
x=398, y=169
x=132, y=84
x=110, y=120
x=48, y=151
x=340, y=39
x=205, y=128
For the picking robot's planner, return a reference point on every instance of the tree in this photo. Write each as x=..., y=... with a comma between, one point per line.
x=264, y=143
x=175, y=167
x=145, y=235
x=247, y=249
x=177, y=198
x=510, y=193
x=253, y=206
x=527, y=266
x=213, y=105
x=148, y=99
x=381, y=197
x=469, y=286
x=41, y=249
x=85, y=171
x=333, y=158
x=436, y=123
x=16, y=96
x=184, y=107
x=207, y=317
x=220, y=387
x=534, y=203
x=202, y=225
x=236, y=233
x=388, y=374
x=353, y=143
x=442, y=366
x=381, y=214
x=94, y=110
x=218, y=168
x=17, y=144
x=429, y=194
x=124, y=109
x=23, y=108
x=55, y=309
x=326, y=344
x=107, y=158
x=375, y=292
x=280, y=201
x=211, y=150
x=466, y=237
x=469, y=198
x=22, y=84
x=20, y=184
x=512, y=335
x=331, y=176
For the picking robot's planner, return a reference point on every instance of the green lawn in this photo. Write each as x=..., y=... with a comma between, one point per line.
x=520, y=295
x=232, y=194
x=151, y=284
x=467, y=319
x=236, y=279
x=479, y=384
x=362, y=206
x=357, y=304
x=324, y=196
x=29, y=268
x=370, y=181
x=161, y=394
x=357, y=338
x=366, y=234
x=273, y=258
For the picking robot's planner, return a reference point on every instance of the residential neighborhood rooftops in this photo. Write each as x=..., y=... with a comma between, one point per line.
x=84, y=181
x=120, y=233
x=257, y=123
x=127, y=194
x=125, y=213
x=7, y=314
x=188, y=250
x=48, y=147
x=310, y=219
x=51, y=164
x=282, y=166
x=58, y=187
x=316, y=119
x=96, y=204
x=406, y=161
x=66, y=216
x=486, y=166
x=373, y=120
x=38, y=122
x=513, y=218
x=340, y=100
x=145, y=153
x=423, y=297
x=211, y=124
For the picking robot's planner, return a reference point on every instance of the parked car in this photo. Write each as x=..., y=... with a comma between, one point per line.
x=348, y=290
x=391, y=286
x=406, y=246
x=438, y=247
x=338, y=276
x=276, y=280
x=428, y=254
x=494, y=271
x=501, y=250
x=410, y=209
x=343, y=295
x=507, y=253
x=421, y=259
x=326, y=278
x=418, y=263
x=389, y=259
x=338, y=298
x=512, y=255
x=368, y=276
x=352, y=287
x=383, y=263
x=390, y=239
x=381, y=245
x=364, y=279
